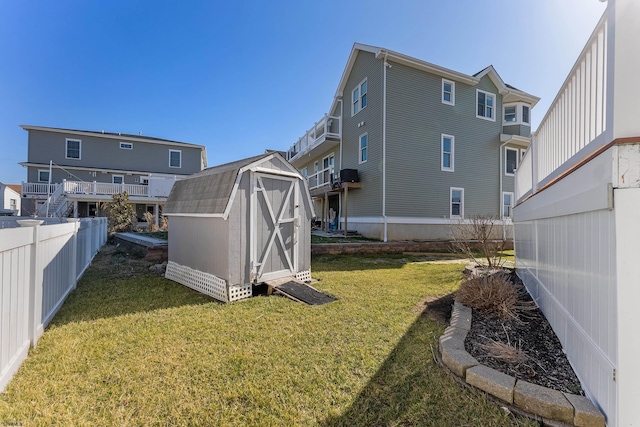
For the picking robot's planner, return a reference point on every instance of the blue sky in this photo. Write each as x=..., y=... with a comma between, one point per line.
x=242, y=76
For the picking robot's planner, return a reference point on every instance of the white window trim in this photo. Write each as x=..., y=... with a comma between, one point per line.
x=113, y=179
x=126, y=145
x=522, y=114
x=40, y=171
x=175, y=151
x=360, y=161
x=495, y=105
x=519, y=114
x=358, y=87
x=453, y=92
x=505, y=160
x=504, y=193
x=453, y=149
x=504, y=115
x=66, y=148
x=451, y=190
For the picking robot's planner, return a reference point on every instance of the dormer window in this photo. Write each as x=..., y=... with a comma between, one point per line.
x=509, y=114
x=516, y=113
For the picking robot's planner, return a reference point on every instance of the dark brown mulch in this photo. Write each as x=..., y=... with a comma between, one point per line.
x=545, y=365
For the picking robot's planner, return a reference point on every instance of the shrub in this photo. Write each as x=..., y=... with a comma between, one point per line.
x=480, y=238
x=492, y=296
x=120, y=213
x=505, y=352
x=151, y=222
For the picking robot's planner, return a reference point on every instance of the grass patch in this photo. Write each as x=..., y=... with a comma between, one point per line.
x=138, y=349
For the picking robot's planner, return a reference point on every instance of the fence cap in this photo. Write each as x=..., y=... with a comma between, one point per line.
x=30, y=222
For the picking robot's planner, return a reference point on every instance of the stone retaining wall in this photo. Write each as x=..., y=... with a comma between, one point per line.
x=385, y=248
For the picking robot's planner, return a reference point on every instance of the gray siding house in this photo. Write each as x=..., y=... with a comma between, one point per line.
x=70, y=172
x=431, y=146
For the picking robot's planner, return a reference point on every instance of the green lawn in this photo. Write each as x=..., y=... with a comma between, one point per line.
x=129, y=348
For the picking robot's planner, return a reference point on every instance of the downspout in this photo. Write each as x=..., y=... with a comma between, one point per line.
x=340, y=213
x=384, y=145
x=500, y=201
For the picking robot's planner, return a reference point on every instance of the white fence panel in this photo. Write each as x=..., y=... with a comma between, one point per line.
x=568, y=265
x=39, y=267
x=15, y=257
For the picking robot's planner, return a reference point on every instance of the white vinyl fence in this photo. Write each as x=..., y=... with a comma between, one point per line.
x=577, y=225
x=39, y=266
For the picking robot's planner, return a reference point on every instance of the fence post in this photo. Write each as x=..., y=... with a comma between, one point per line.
x=35, y=282
x=74, y=246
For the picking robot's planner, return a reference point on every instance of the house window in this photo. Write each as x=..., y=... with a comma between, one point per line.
x=117, y=179
x=364, y=145
x=448, y=92
x=525, y=114
x=144, y=180
x=304, y=172
x=175, y=158
x=13, y=204
x=315, y=167
x=126, y=146
x=507, y=204
x=456, y=196
x=73, y=148
x=510, y=114
x=447, y=143
x=327, y=169
x=359, y=97
x=43, y=175
x=511, y=163
x=485, y=102
x=523, y=151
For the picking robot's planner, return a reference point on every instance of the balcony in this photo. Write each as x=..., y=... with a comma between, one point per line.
x=322, y=136
x=158, y=188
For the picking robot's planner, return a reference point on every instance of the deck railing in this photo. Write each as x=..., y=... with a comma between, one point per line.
x=320, y=178
x=578, y=120
x=105, y=188
x=327, y=127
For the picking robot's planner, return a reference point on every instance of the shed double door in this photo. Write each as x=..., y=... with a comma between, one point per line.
x=274, y=223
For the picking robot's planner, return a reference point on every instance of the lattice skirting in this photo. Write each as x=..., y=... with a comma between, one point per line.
x=206, y=283
x=304, y=276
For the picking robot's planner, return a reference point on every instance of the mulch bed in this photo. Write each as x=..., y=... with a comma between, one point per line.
x=545, y=364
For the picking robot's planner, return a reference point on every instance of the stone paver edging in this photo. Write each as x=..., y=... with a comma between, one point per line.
x=549, y=405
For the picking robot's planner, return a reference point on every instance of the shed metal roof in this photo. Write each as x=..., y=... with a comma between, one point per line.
x=209, y=192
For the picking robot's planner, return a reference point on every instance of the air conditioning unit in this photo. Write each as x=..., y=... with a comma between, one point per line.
x=349, y=175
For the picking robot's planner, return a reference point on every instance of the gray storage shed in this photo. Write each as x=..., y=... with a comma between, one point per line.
x=239, y=224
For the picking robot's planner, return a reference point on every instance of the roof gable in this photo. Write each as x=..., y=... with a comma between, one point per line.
x=510, y=94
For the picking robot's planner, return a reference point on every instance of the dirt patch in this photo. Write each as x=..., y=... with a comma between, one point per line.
x=544, y=362
x=437, y=308
x=117, y=262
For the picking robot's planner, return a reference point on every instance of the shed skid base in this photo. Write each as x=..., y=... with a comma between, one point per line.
x=206, y=283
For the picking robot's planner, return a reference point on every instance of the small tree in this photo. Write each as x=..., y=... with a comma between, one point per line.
x=120, y=213
x=480, y=239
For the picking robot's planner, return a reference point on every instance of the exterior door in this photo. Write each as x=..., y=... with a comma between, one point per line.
x=275, y=218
